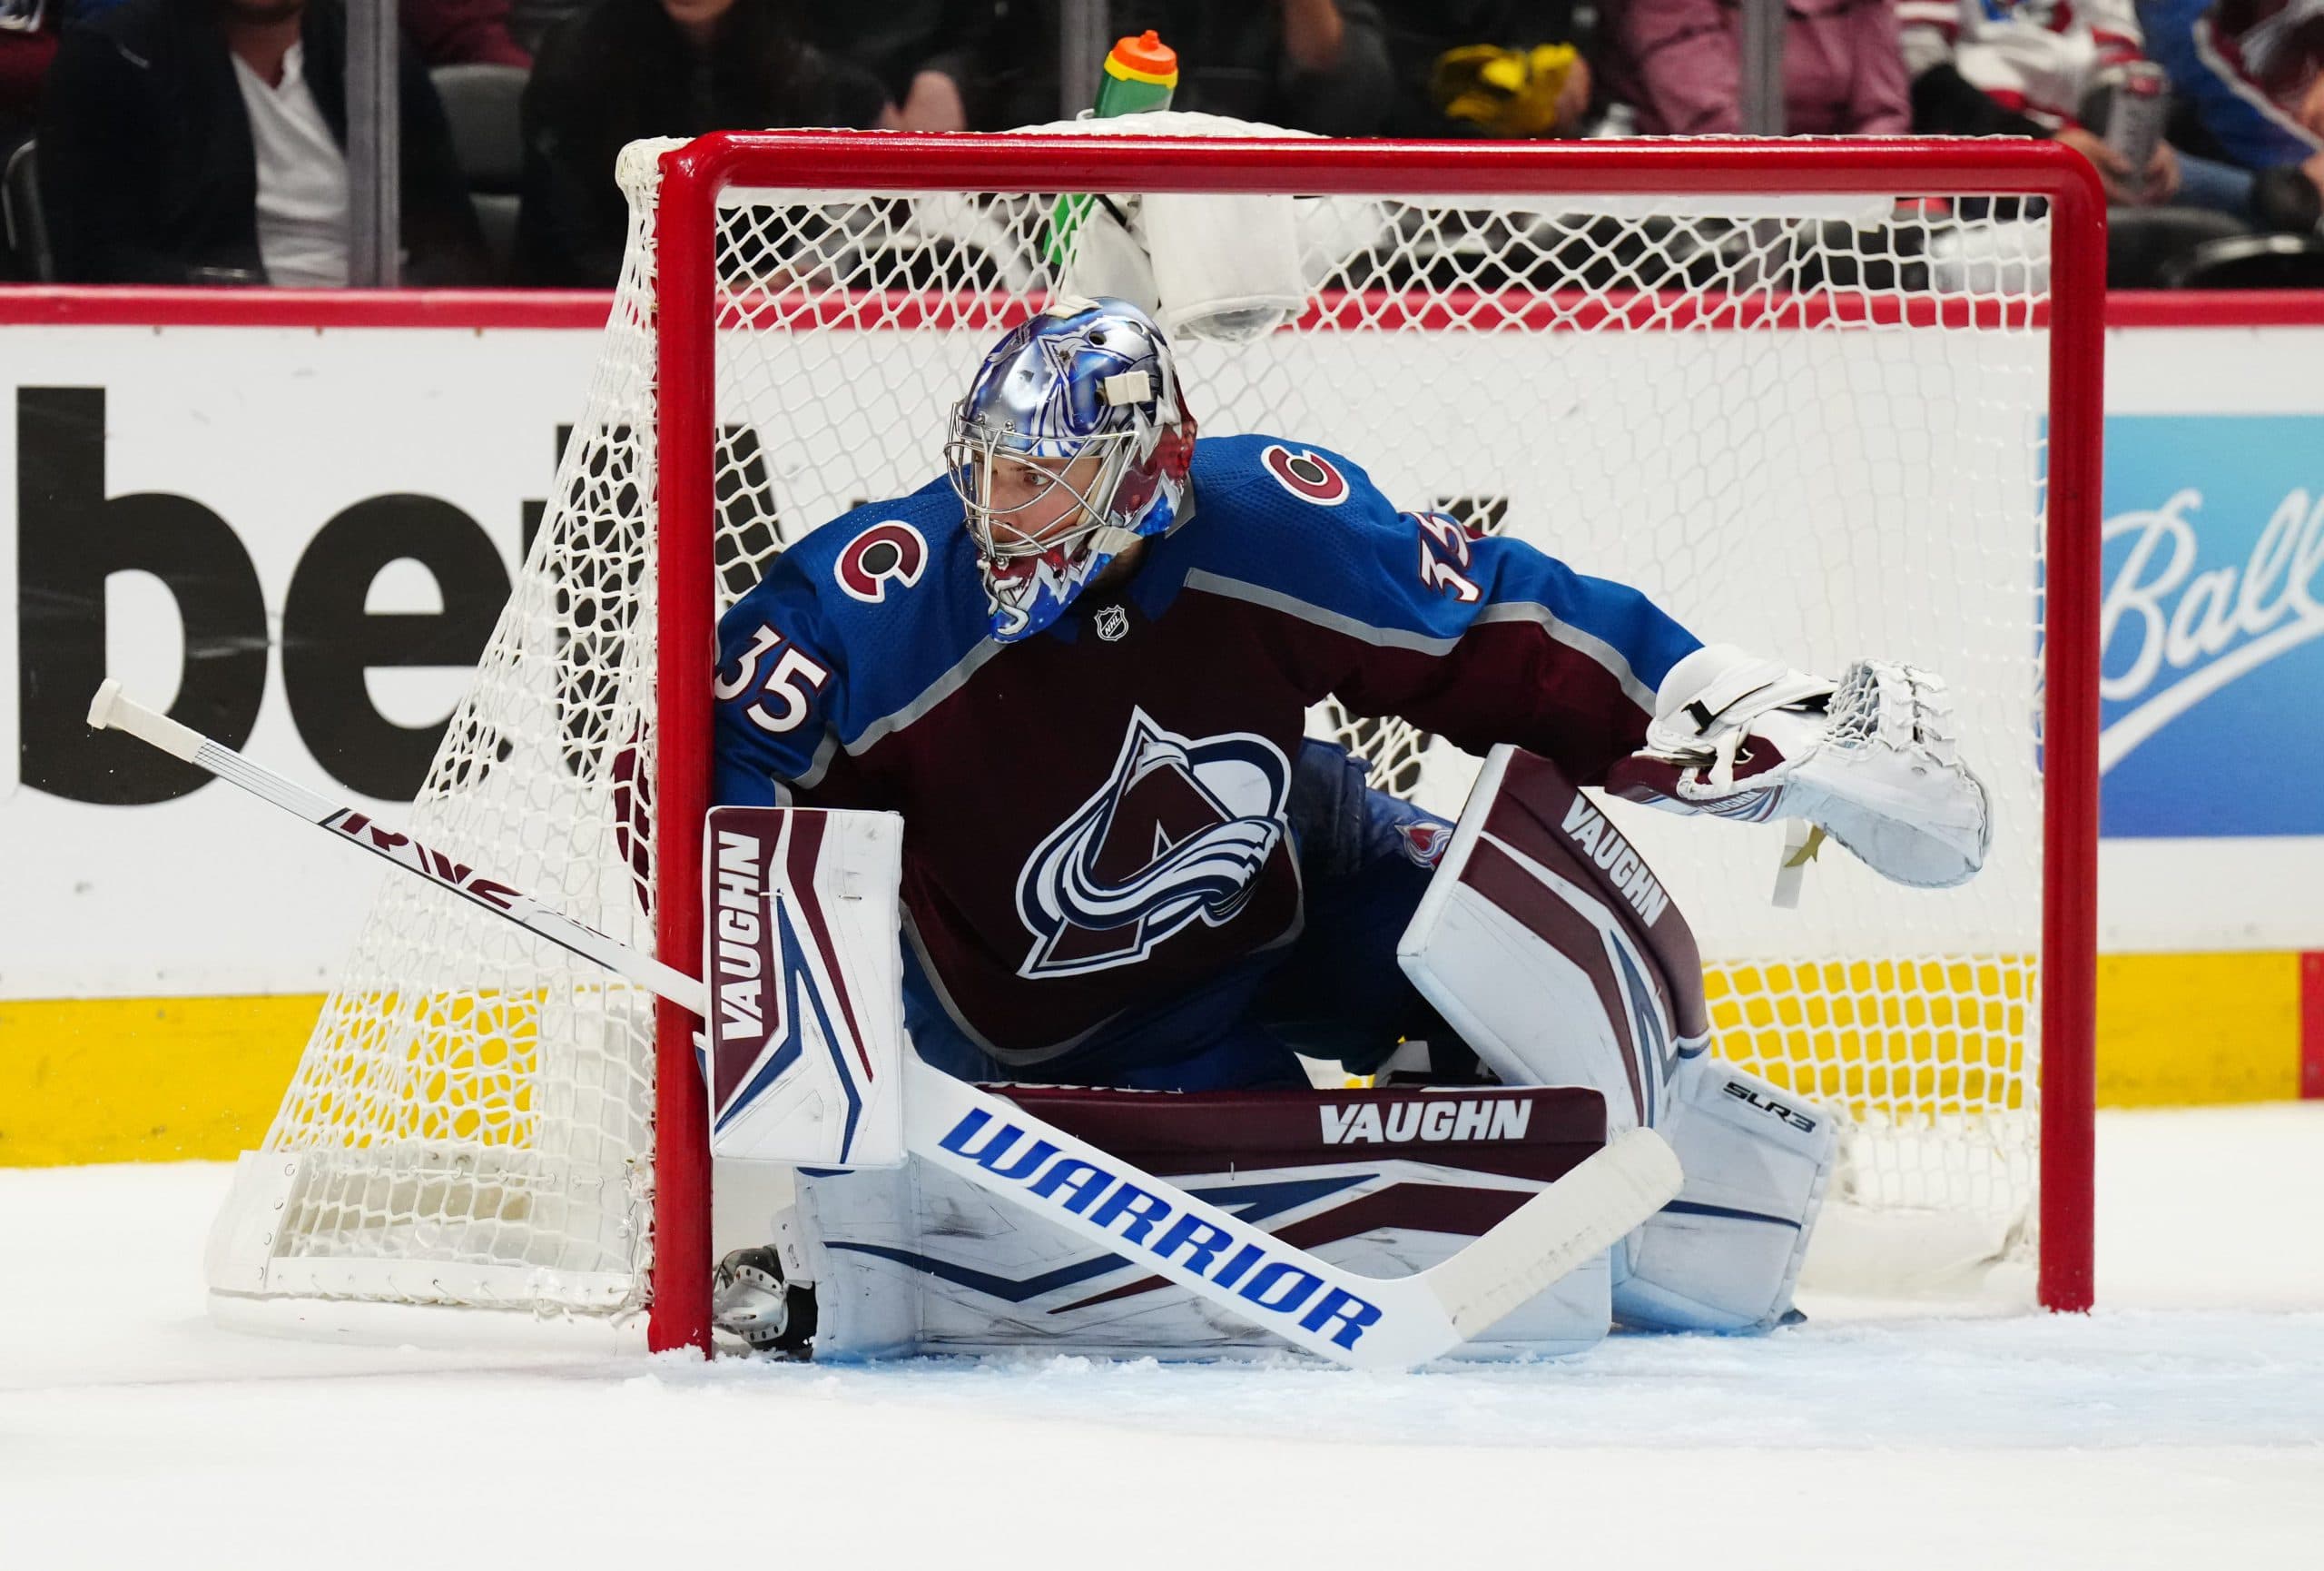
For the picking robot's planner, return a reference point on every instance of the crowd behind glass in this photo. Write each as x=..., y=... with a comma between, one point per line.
x=204, y=141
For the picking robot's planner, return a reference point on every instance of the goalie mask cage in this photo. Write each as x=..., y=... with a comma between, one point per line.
x=1822, y=399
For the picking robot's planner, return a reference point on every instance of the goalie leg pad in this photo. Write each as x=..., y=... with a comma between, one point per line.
x=1725, y=1255
x=863, y=1307
x=916, y=1261
x=802, y=1053
x=1549, y=946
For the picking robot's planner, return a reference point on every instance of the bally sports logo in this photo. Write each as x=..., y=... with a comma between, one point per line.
x=2188, y=633
x=1430, y=1117
x=1588, y=829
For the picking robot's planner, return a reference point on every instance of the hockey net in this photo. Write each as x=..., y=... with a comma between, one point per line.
x=1806, y=396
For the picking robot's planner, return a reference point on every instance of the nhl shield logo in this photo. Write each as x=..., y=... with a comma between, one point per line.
x=1112, y=622
x=1176, y=835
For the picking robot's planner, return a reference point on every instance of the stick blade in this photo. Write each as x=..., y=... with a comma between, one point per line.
x=1586, y=1211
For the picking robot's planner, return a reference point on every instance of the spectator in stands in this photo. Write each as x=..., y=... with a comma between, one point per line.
x=929, y=54
x=462, y=33
x=1488, y=67
x=204, y=142
x=532, y=21
x=623, y=69
x=1318, y=65
x=2249, y=79
x=1678, y=64
x=2024, y=68
x=27, y=43
x=1014, y=79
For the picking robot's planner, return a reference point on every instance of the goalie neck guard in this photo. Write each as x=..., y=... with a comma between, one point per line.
x=1084, y=379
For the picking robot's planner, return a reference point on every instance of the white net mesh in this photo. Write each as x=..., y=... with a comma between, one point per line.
x=1810, y=428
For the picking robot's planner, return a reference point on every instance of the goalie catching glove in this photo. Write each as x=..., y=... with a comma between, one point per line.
x=1871, y=760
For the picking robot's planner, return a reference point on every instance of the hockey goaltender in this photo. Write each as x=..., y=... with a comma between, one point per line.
x=1076, y=664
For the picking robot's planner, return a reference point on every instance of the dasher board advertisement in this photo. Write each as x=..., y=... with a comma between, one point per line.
x=299, y=536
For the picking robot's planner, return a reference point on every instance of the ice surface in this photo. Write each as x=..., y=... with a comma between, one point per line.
x=2180, y=1426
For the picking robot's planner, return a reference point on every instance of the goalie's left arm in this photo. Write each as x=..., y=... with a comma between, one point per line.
x=1871, y=759
x=1485, y=641
x=1481, y=640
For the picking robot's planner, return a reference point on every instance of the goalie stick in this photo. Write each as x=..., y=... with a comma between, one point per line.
x=1350, y=1318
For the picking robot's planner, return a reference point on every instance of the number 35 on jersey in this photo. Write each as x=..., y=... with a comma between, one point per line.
x=787, y=686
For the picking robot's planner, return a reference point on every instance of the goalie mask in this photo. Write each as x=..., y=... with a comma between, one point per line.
x=1071, y=445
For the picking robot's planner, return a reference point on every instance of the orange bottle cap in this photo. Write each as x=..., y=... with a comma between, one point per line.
x=1146, y=58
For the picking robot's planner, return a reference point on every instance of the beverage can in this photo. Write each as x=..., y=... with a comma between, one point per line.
x=2135, y=109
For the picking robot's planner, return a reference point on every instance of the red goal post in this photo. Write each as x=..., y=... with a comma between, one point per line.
x=689, y=306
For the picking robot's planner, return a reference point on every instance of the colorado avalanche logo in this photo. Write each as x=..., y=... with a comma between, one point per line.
x=1424, y=842
x=889, y=552
x=1177, y=833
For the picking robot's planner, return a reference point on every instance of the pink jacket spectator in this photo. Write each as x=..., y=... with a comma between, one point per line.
x=1678, y=62
x=27, y=43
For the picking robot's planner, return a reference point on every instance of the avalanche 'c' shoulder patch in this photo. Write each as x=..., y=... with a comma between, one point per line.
x=1306, y=474
x=891, y=551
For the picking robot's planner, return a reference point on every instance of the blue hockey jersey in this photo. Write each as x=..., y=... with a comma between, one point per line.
x=1094, y=817
x=2244, y=65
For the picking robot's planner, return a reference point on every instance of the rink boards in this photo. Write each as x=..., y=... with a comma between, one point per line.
x=419, y=454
